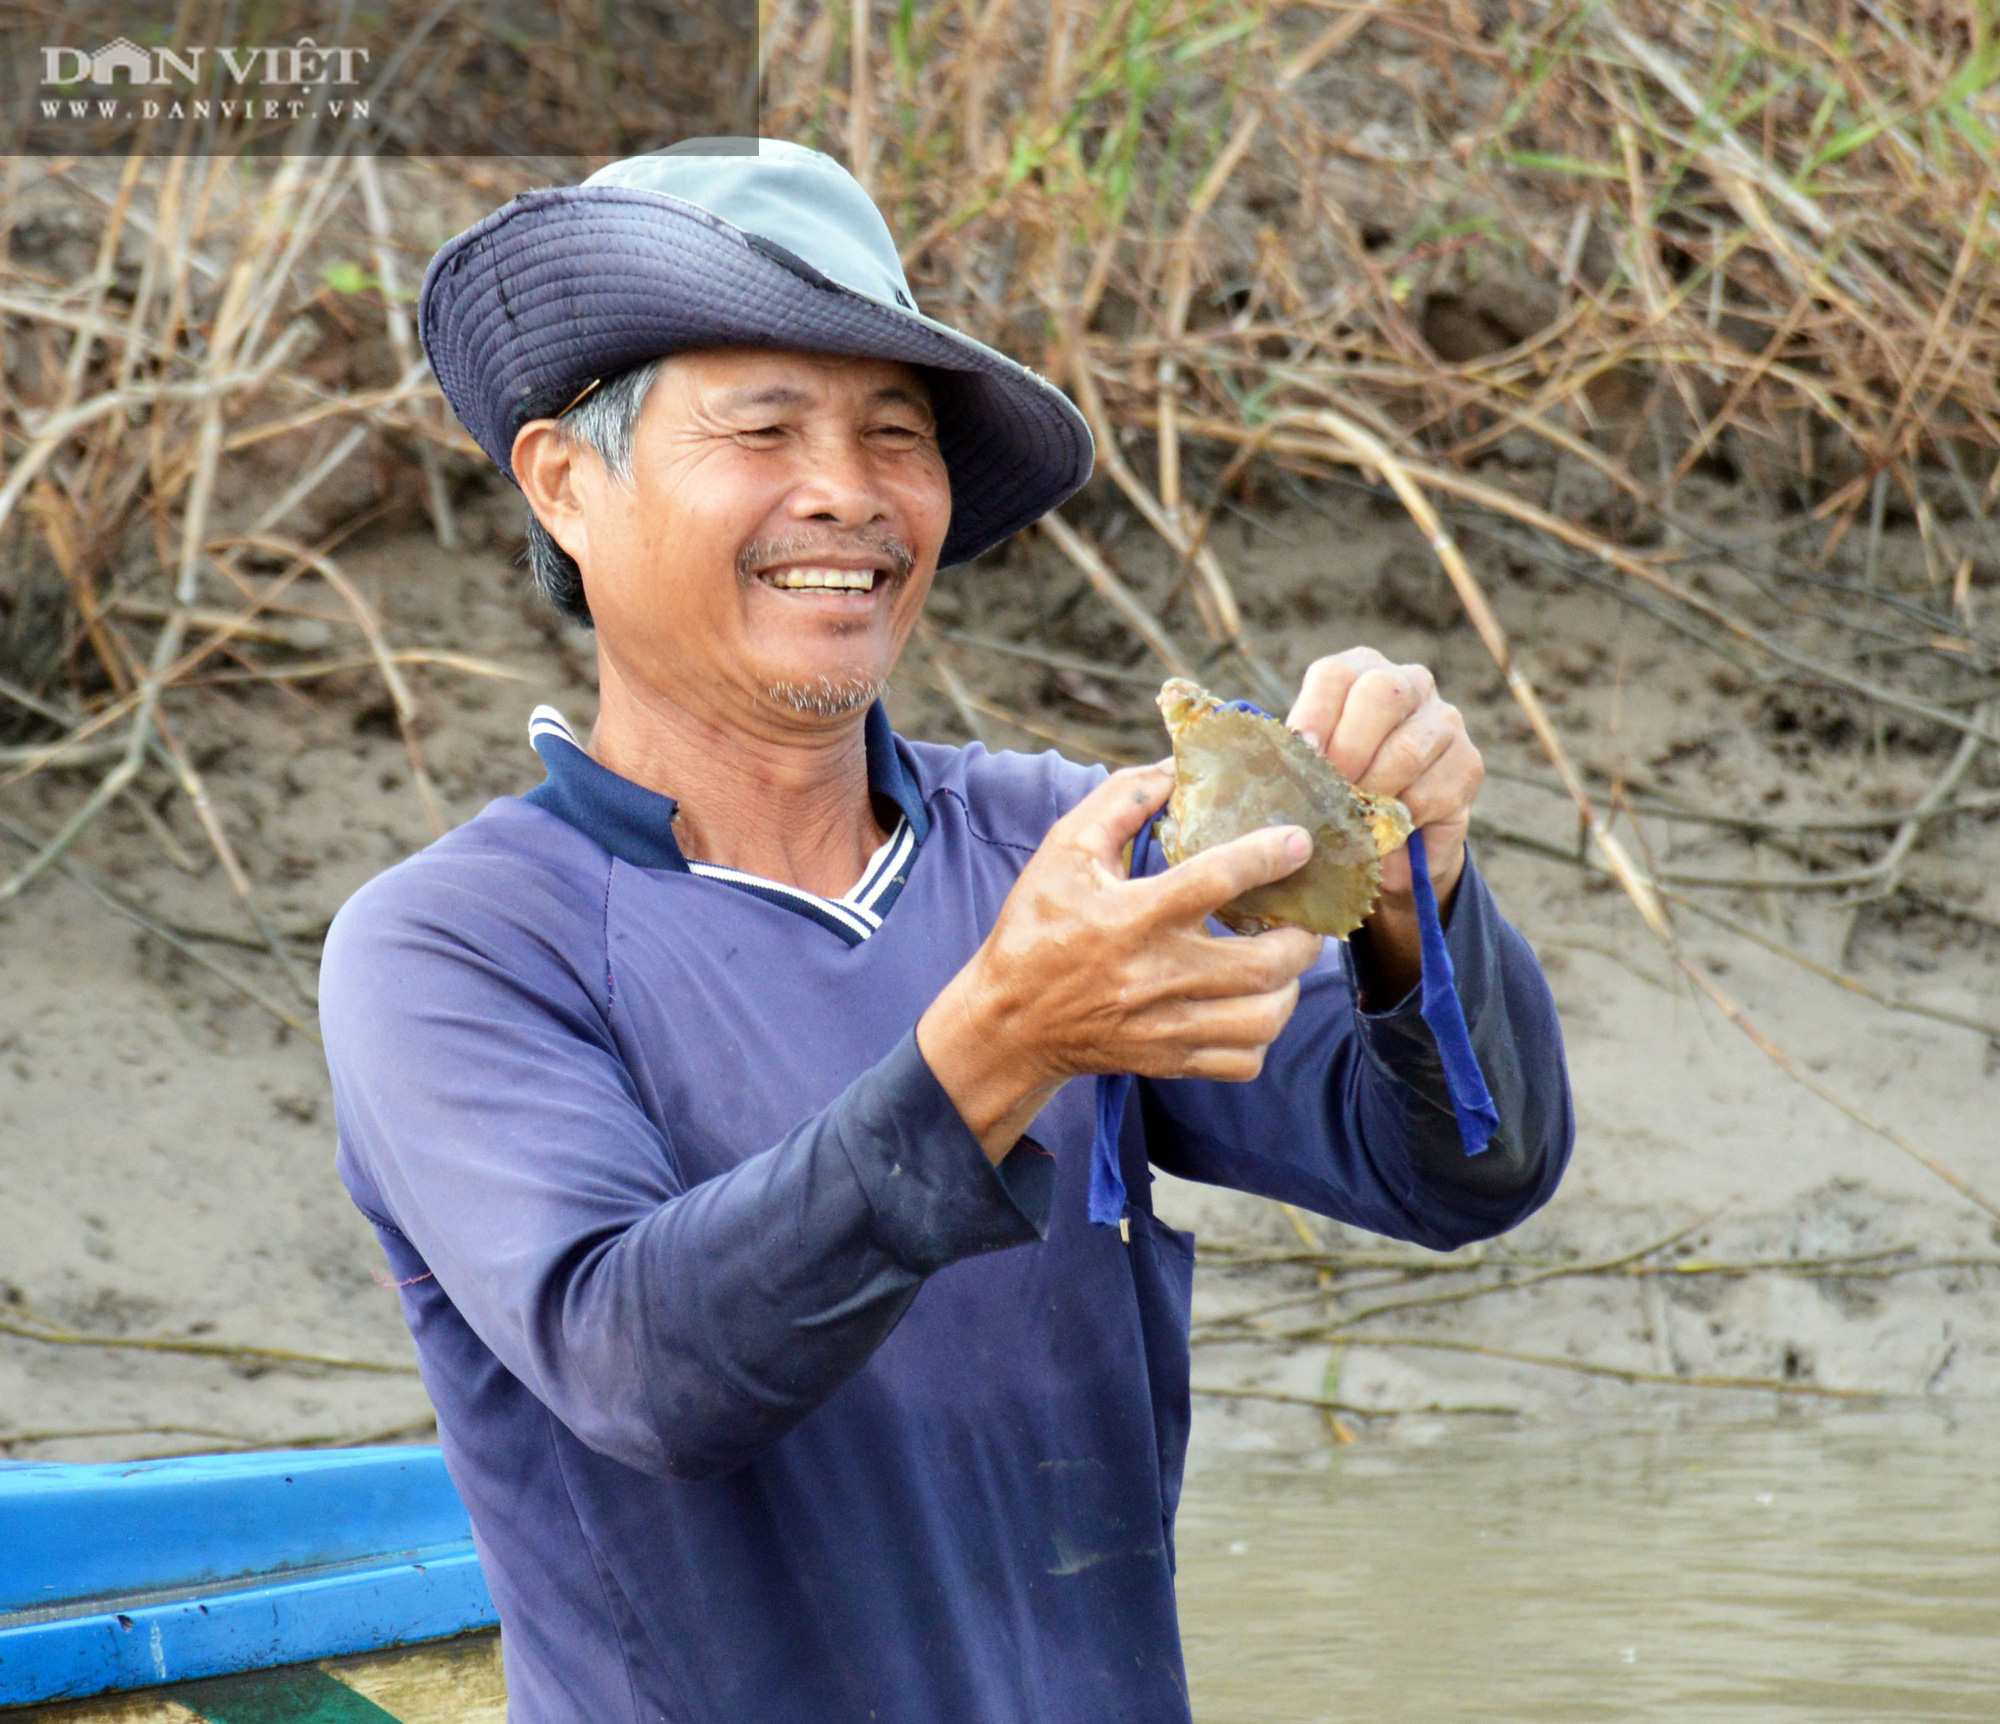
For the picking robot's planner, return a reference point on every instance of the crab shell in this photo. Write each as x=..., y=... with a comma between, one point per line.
x=1238, y=771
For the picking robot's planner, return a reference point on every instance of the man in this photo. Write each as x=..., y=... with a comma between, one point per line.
x=715, y=1102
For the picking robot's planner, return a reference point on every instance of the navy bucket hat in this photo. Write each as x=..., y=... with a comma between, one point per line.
x=729, y=243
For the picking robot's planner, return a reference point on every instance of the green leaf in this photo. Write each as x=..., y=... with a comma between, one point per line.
x=1202, y=45
x=1845, y=143
x=1573, y=165
x=1981, y=69
x=348, y=278
x=1975, y=132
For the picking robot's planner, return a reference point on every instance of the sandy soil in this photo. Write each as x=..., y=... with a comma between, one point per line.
x=166, y=1146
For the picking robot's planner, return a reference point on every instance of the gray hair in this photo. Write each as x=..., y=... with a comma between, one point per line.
x=824, y=697
x=606, y=421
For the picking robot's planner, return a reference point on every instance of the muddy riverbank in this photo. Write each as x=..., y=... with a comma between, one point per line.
x=166, y=1143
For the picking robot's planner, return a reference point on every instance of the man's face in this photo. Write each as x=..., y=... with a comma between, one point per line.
x=778, y=538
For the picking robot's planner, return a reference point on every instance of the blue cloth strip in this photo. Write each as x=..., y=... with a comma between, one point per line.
x=1107, y=1178
x=1471, y=1100
x=1107, y=1175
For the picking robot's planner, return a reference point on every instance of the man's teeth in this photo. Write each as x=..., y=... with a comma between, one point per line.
x=852, y=580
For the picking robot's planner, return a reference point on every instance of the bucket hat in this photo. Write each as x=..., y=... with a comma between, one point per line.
x=729, y=242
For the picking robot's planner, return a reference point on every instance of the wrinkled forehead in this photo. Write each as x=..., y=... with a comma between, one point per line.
x=775, y=377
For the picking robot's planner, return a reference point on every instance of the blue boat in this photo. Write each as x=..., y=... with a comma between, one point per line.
x=242, y=1589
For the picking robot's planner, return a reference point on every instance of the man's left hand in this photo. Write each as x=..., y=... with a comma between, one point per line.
x=1385, y=729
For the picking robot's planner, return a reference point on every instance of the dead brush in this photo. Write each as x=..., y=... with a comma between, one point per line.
x=182, y=418
x=1549, y=275
x=1635, y=242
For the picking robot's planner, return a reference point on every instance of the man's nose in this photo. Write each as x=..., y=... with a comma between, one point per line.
x=840, y=484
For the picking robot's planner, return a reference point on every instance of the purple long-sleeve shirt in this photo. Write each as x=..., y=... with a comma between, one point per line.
x=770, y=1397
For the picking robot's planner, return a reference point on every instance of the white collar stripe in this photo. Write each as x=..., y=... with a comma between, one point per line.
x=884, y=863
x=854, y=915
x=817, y=910
x=546, y=721
x=873, y=884
x=862, y=921
x=858, y=892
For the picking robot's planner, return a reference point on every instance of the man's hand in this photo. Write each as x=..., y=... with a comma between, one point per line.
x=1088, y=971
x=1384, y=729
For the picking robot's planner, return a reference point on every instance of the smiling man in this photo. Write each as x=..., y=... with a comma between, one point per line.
x=716, y=1101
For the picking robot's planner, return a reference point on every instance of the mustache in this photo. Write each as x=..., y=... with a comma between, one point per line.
x=802, y=547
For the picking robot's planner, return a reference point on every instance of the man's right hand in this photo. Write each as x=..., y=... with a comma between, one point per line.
x=1088, y=971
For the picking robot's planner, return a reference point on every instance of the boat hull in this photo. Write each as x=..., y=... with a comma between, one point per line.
x=129, y=1576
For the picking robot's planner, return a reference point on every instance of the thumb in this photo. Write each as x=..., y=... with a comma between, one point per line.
x=1110, y=817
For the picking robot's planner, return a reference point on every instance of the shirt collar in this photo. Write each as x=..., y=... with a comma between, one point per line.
x=637, y=825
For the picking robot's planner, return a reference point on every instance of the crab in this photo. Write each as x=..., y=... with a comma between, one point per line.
x=1236, y=771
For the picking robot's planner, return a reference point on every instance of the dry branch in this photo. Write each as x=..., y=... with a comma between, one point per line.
x=1621, y=1374
x=54, y=1335
x=1675, y=238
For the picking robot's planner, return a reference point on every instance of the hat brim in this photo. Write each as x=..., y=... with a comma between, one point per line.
x=564, y=286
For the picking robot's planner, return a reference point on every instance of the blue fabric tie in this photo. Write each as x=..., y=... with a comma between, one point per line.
x=1471, y=1100
x=1107, y=1178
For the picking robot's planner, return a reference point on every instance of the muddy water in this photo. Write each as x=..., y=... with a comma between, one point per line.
x=1838, y=1568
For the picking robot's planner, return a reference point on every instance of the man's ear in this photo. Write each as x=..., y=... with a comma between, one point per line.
x=545, y=466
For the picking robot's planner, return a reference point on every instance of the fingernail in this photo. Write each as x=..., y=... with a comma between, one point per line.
x=1311, y=739
x=1166, y=765
x=1298, y=843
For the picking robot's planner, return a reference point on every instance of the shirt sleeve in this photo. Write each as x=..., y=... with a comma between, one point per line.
x=1351, y=1118
x=485, y=1116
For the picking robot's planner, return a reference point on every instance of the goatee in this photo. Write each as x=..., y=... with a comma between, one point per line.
x=827, y=696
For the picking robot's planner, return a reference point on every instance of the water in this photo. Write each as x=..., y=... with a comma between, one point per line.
x=1846, y=1568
